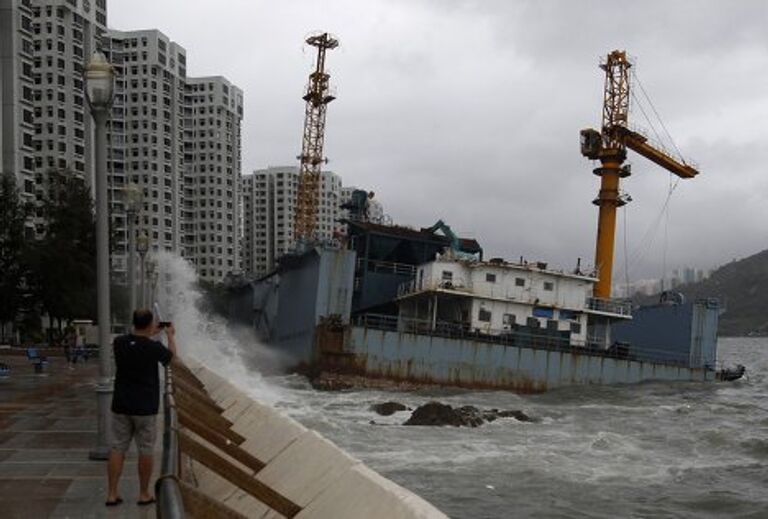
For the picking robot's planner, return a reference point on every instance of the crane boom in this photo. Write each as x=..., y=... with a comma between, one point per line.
x=639, y=144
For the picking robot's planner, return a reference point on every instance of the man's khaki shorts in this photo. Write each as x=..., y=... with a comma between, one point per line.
x=142, y=428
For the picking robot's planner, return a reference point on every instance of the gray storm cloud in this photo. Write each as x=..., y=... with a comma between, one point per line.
x=470, y=112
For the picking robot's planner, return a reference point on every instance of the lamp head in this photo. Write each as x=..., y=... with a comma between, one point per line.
x=133, y=197
x=99, y=82
x=142, y=243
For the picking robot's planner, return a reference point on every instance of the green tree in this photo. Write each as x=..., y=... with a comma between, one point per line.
x=64, y=260
x=13, y=214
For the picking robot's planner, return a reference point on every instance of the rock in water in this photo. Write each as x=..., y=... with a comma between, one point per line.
x=435, y=413
x=388, y=408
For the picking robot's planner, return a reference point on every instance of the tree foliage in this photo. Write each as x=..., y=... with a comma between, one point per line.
x=64, y=260
x=13, y=249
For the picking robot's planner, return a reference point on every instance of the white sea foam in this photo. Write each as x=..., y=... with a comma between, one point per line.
x=232, y=352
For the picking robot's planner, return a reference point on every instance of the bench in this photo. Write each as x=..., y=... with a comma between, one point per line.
x=38, y=362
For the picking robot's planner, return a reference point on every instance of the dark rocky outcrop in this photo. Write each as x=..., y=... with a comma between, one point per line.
x=436, y=413
x=388, y=408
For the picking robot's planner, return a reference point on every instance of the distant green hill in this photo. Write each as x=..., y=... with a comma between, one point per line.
x=742, y=287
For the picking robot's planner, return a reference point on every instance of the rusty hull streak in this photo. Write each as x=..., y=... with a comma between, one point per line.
x=423, y=360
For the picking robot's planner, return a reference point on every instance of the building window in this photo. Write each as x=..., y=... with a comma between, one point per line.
x=576, y=328
x=532, y=322
x=490, y=278
x=509, y=319
x=484, y=316
x=519, y=282
x=552, y=325
x=447, y=275
x=549, y=286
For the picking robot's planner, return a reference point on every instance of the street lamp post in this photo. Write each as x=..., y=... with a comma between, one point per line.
x=142, y=246
x=150, y=277
x=99, y=84
x=134, y=197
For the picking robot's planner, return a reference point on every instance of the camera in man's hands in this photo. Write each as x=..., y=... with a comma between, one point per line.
x=164, y=324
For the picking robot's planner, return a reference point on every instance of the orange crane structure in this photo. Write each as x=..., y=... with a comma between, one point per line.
x=317, y=97
x=609, y=146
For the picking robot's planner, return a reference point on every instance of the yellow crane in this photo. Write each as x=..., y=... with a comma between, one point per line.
x=317, y=97
x=609, y=146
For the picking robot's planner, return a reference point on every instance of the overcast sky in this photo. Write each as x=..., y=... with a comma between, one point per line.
x=470, y=111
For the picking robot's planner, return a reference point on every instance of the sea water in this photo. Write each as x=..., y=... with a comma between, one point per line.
x=644, y=450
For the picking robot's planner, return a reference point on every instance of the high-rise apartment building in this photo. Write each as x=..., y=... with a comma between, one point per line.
x=46, y=124
x=269, y=198
x=214, y=109
x=146, y=134
x=66, y=34
x=178, y=139
x=17, y=94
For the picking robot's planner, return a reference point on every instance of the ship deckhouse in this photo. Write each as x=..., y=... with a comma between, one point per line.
x=497, y=298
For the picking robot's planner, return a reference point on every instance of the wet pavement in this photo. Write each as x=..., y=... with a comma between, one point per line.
x=47, y=428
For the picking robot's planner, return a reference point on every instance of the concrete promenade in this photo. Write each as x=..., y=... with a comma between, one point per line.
x=47, y=428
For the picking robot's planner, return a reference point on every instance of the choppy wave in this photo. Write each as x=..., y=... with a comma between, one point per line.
x=647, y=450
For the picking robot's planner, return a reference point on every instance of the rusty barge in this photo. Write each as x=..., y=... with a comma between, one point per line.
x=424, y=306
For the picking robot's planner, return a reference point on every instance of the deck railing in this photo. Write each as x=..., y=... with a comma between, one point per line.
x=610, y=306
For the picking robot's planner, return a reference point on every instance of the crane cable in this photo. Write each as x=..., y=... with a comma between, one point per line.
x=626, y=256
x=649, y=237
x=651, y=232
x=658, y=117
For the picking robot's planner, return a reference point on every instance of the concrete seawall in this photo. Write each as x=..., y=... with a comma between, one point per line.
x=301, y=465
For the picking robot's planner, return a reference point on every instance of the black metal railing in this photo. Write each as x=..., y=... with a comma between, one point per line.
x=170, y=504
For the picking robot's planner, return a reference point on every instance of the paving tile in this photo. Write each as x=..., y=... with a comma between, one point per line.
x=47, y=428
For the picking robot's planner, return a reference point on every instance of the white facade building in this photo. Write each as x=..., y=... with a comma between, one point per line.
x=178, y=139
x=45, y=120
x=17, y=95
x=146, y=135
x=213, y=171
x=497, y=297
x=269, y=198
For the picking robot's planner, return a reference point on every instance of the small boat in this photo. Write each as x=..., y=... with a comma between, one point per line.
x=729, y=374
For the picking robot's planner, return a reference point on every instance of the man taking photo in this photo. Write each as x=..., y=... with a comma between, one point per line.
x=136, y=400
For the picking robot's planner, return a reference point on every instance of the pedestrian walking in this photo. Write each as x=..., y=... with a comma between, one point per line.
x=136, y=400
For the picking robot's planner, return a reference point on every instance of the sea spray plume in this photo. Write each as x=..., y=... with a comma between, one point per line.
x=233, y=353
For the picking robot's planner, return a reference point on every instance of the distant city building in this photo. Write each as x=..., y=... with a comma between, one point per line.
x=269, y=197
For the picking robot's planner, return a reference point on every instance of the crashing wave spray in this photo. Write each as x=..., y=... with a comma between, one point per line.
x=231, y=351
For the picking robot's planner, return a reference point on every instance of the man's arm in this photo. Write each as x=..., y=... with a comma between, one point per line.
x=170, y=333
